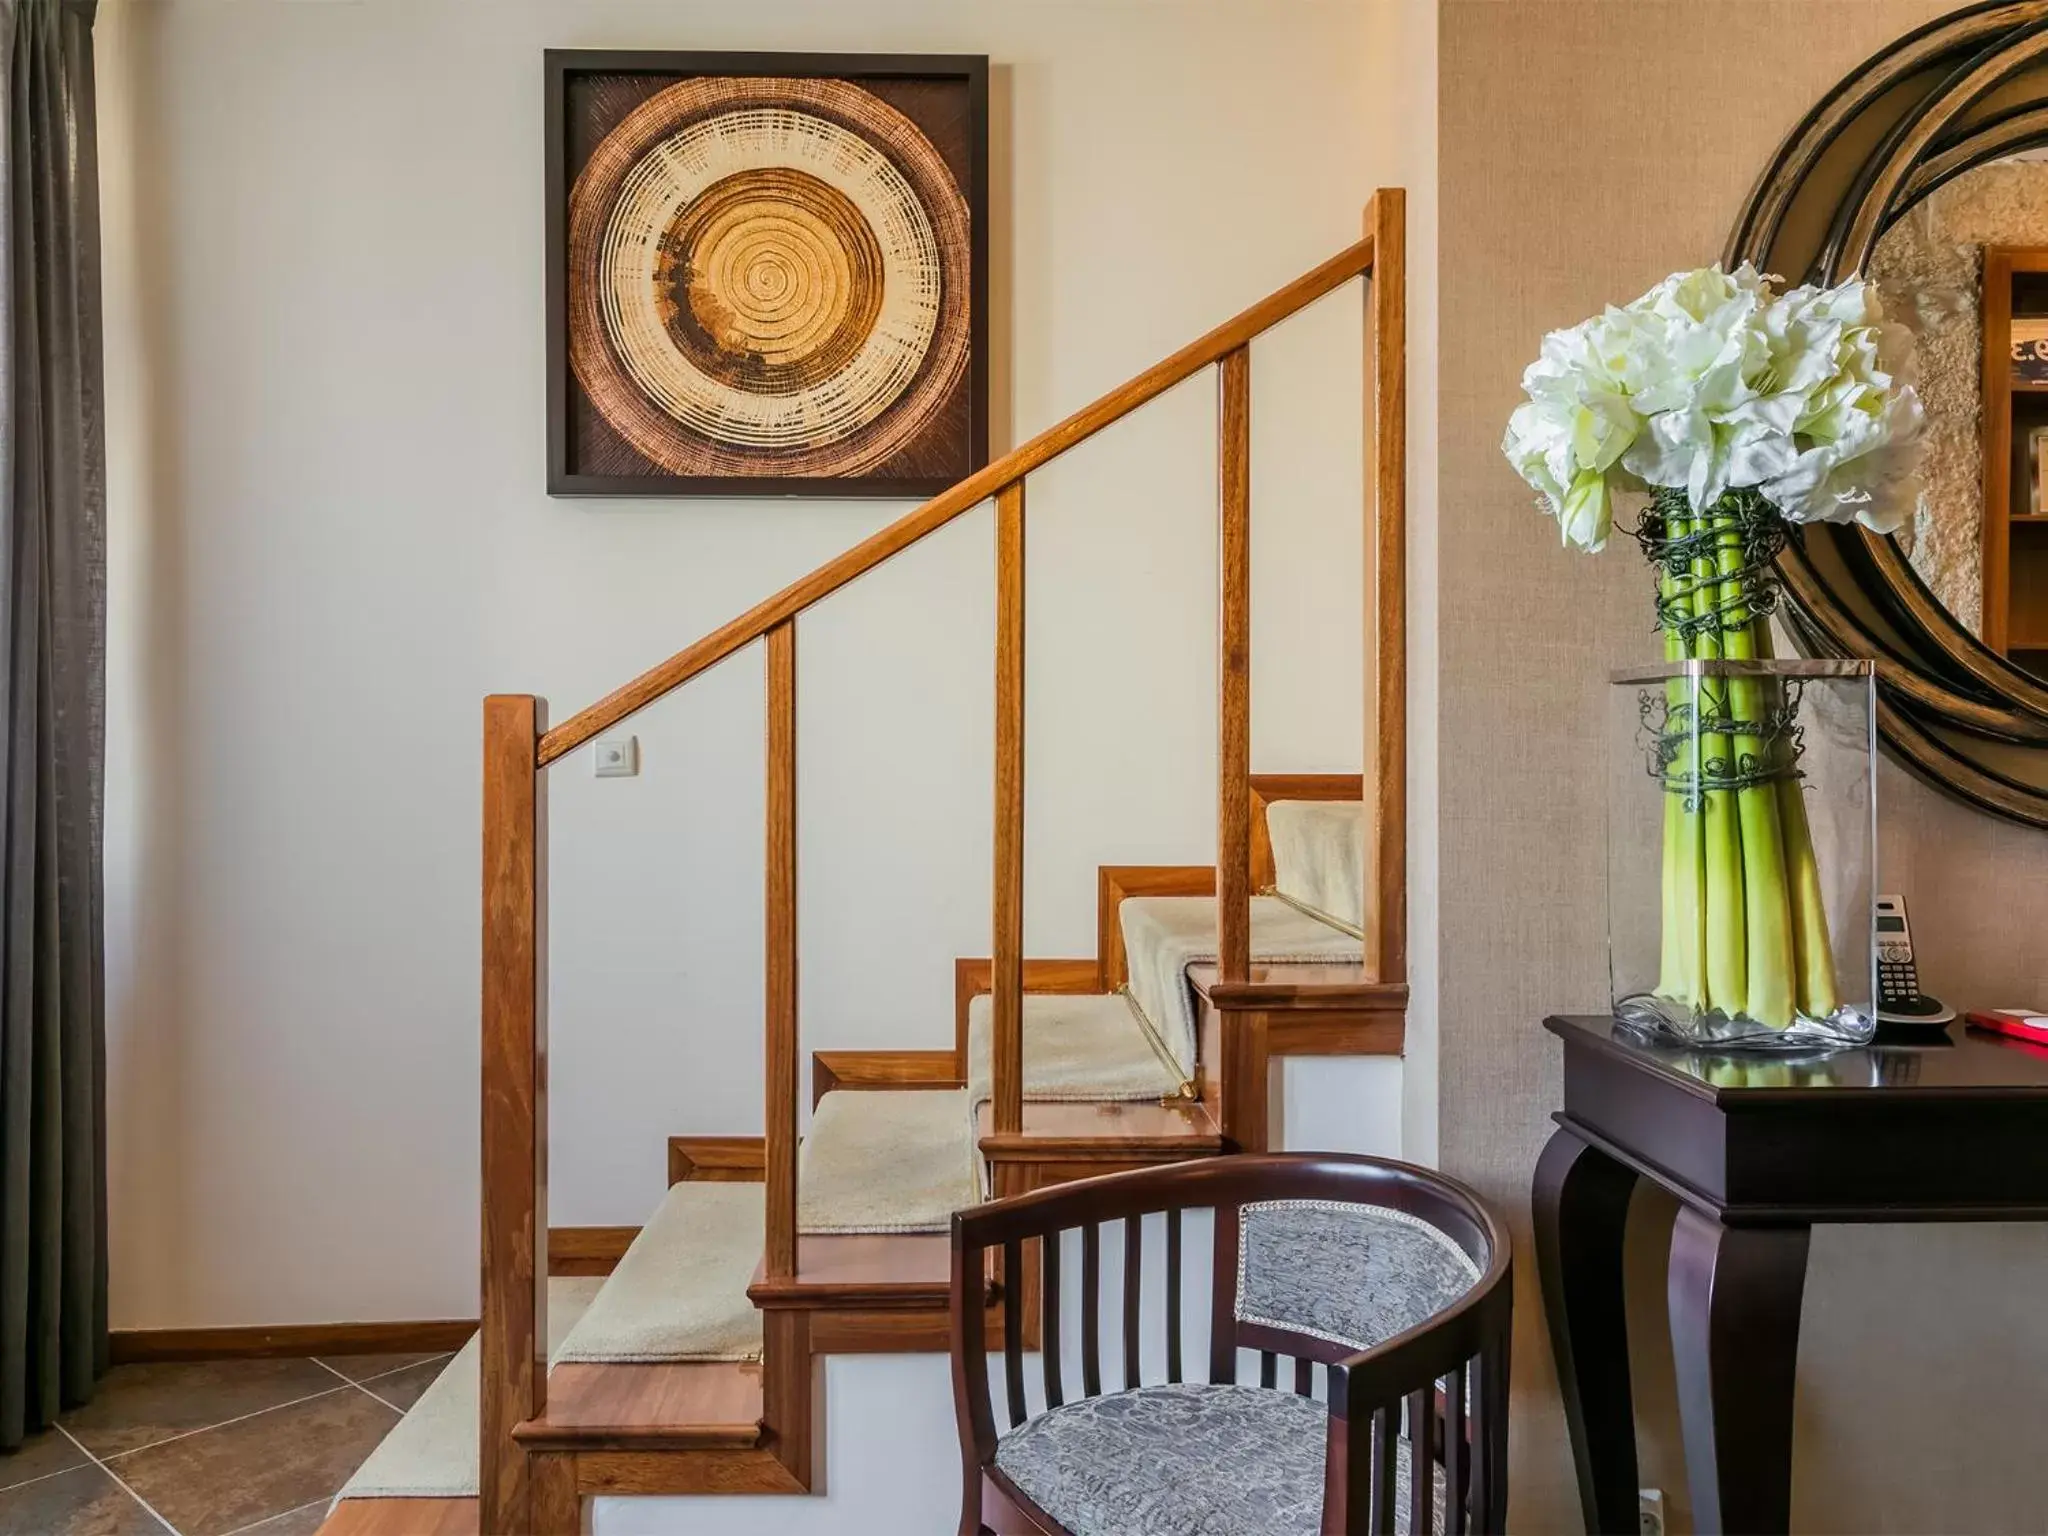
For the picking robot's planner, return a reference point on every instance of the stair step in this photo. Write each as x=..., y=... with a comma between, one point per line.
x=676, y=1405
x=1164, y=935
x=680, y=1291
x=1115, y=1134
x=1319, y=855
x=1077, y=1047
x=882, y=1162
x=432, y=1451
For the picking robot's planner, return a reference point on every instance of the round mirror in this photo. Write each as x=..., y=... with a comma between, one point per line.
x=1927, y=170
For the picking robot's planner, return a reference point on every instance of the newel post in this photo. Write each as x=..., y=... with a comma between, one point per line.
x=513, y=1300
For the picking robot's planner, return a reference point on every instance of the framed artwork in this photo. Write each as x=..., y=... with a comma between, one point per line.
x=767, y=273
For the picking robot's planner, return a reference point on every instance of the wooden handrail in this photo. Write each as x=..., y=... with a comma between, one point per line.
x=949, y=504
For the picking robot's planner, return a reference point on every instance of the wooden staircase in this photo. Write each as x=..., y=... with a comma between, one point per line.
x=548, y=1439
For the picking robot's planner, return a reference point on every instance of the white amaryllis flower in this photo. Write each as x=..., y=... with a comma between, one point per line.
x=1712, y=383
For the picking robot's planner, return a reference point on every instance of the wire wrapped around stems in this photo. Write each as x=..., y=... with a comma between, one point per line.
x=1744, y=931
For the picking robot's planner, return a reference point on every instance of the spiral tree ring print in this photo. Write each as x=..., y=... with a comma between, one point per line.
x=767, y=282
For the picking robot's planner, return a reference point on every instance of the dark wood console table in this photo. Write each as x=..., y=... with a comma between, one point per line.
x=1756, y=1151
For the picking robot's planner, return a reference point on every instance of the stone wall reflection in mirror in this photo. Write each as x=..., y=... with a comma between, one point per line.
x=1930, y=268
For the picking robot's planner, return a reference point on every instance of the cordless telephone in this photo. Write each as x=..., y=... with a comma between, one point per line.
x=1899, y=999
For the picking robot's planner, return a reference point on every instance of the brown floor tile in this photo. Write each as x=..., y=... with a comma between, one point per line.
x=401, y=1389
x=363, y=1367
x=39, y=1456
x=223, y=1479
x=138, y=1405
x=303, y=1521
x=81, y=1502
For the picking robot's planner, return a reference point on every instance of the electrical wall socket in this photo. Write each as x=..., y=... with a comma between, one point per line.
x=1650, y=1511
x=617, y=757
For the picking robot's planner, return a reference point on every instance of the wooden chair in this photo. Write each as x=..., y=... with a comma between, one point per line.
x=1394, y=1279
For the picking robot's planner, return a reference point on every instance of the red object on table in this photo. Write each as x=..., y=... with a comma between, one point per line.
x=2019, y=1023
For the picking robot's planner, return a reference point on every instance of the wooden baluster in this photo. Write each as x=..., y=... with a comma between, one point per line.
x=1006, y=1037
x=1386, y=712
x=780, y=990
x=1233, y=666
x=1013, y=1333
x=1173, y=1367
x=1091, y=1310
x=513, y=1365
x=1049, y=1317
x=1134, y=1278
x=1422, y=1451
x=1457, y=1458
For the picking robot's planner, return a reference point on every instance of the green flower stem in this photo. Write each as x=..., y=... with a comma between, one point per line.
x=1767, y=910
x=1721, y=826
x=1814, y=950
x=1683, y=972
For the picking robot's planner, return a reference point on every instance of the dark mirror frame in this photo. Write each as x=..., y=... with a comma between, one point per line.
x=1969, y=88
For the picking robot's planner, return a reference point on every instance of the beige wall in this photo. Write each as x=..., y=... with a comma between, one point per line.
x=1586, y=149
x=331, y=539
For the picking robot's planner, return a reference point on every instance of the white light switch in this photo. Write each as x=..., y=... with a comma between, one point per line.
x=618, y=757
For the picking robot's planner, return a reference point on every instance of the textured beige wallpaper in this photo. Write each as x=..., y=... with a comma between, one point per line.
x=1588, y=147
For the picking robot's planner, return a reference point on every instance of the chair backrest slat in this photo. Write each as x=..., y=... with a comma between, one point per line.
x=1134, y=1278
x=1173, y=1294
x=1457, y=1455
x=1386, y=1453
x=1223, y=1297
x=1013, y=1331
x=1304, y=1376
x=1091, y=1309
x=1422, y=1452
x=1049, y=1317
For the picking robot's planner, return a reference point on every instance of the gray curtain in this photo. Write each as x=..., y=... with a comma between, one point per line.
x=53, y=1203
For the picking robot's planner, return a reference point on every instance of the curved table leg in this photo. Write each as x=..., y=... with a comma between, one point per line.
x=1735, y=1294
x=1581, y=1207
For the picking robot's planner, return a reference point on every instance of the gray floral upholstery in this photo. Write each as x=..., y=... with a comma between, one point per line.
x=1352, y=1274
x=1183, y=1460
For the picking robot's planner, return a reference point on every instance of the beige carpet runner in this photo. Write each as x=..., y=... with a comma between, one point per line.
x=680, y=1292
x=1081, y=1048
x=878, y=1161
x=1319, y=856
x=1164, y=935
x=431, y=1453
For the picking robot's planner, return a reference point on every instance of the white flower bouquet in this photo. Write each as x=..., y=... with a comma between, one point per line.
x=1731, y=413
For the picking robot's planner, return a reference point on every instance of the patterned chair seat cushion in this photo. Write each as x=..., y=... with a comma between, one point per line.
x=1187, y=1459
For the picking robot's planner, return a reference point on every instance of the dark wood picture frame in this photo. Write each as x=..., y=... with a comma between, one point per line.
x=562, y=66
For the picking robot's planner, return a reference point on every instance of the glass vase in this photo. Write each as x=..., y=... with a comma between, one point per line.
x=1742, y=852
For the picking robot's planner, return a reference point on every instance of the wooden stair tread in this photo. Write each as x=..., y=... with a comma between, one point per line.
x=403, y=1517
x=1288, y=985
x=1131, y=1126
x=874, y=1271
x=688, y=1404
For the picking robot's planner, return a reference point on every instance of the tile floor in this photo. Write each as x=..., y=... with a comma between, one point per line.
x=213, y=1448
